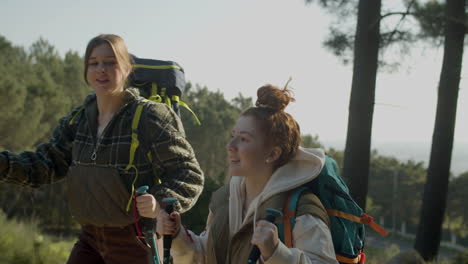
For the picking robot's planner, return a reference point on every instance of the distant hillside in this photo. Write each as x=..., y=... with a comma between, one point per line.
x=417, y=151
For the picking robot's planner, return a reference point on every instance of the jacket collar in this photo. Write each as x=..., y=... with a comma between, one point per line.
x=130, y=95
x=304, y=167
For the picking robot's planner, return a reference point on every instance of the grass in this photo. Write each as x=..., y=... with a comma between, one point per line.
x=22, y=243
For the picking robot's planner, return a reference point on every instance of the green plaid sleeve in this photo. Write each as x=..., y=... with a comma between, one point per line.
x=173, y=159
x=49, y=163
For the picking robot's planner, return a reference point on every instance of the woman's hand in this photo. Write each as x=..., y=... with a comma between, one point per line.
x=168, y=224
x=147, y=206
x=265, y=238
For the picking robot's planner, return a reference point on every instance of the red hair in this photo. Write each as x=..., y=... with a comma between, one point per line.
x=278, y=127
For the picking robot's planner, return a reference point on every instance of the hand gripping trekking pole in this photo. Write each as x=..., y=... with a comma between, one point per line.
x=148, y=225
x=167, y=242
x=272, y=214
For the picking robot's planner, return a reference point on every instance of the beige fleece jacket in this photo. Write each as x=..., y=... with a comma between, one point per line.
x=311, y=236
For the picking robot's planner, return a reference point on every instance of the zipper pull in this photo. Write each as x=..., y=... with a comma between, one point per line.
x=93, y=156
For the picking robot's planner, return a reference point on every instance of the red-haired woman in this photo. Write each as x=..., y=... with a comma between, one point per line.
x=265, y=161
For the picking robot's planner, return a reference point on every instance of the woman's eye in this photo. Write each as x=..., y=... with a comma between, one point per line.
x=109, y=63
x=92, y=64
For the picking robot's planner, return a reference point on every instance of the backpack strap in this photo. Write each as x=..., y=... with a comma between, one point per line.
x=72, y=120
x=300, y=201
x=364, y=219
x=135, y=143
x=163, y=97
x=133, y=147
x=176, y=99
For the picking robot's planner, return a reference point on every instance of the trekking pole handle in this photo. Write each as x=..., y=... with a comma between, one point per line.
x=271, y=216
x=167, y=239
x=148, y=226
x=147, y=223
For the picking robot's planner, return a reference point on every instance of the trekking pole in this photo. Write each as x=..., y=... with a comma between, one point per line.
x=272, y=214
x=148, y=225
x=167, y=242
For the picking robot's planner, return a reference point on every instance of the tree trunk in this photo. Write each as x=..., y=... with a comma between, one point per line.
x=361, y=106
x=435, y=190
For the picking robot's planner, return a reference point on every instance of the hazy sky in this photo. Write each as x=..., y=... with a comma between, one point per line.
x=238, y=45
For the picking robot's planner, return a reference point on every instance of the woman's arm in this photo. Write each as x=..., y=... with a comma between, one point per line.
x=48, y=164
x=312, y=241
x=173, y=159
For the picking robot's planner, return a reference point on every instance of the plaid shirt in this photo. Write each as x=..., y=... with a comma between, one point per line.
x=160, y=133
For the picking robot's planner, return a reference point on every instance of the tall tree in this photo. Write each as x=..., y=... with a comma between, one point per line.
x=435, y=191
x=361, y=105
x=366, y=44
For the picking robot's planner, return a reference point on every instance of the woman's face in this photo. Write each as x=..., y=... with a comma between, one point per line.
x=247, y=149
x=104, y=74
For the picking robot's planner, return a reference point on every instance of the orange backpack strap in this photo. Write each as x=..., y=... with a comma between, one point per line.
x=299, y=202
x=364, y=219
x=347, y=260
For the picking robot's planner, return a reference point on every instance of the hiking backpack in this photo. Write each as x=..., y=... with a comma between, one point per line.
x=347, y=219
x=159, y=81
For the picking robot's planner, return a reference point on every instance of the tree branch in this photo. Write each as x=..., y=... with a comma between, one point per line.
x=403, y=16
x=396, y=13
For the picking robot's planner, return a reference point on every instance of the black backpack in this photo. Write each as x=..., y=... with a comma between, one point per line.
x=159, y=81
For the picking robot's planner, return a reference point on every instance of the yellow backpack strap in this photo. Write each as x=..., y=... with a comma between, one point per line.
x=165, y=97
x=133, y=147
x=176, y=99
x=155, y=97
x=72, y=120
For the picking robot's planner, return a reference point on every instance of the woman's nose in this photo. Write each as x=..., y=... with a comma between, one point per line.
x=102, y=67
x=230, y=145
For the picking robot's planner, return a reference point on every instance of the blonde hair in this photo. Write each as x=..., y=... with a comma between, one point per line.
x=118, y=46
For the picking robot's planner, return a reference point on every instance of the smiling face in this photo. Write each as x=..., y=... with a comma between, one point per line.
x=248, y=149
x=104, y=74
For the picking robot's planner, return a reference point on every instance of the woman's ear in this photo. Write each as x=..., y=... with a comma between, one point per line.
x=275, y=153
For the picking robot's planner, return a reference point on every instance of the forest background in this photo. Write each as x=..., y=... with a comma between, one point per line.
x=39, y=84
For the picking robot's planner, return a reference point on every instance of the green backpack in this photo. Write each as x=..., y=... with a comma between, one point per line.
x=347, y=219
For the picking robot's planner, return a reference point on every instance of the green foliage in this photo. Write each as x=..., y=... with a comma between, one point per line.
x=380, y=255
x=398, y=30
x=21, y=243
x=309, y=141
x=430, y=16
x=396, y=187
x=38, y=87
x=218, y=116
x=461, y=258
x=457, y=215
x=195, y=219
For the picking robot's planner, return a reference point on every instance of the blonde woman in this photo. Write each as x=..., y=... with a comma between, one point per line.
x=90, y=147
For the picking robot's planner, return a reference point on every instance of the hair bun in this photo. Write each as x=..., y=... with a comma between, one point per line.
x=273, y=97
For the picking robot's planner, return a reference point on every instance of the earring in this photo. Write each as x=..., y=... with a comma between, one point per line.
x=267, y=161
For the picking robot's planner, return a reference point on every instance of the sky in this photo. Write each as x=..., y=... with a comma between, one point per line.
x=237, y=46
